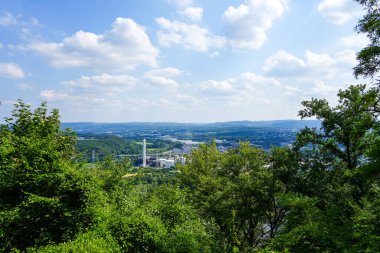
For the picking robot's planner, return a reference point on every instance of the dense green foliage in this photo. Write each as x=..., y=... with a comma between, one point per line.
x=236, y=189
x=320, y=195
x=51, y=203
x=323, y=194
x=41, y=191
x=331, y=204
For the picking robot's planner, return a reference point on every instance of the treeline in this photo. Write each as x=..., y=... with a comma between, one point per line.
x=103, y=145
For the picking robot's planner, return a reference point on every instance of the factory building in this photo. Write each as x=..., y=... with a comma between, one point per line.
x=167, y=163
x=155, y=161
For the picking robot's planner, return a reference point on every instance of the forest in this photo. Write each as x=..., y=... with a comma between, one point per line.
x=322, y=194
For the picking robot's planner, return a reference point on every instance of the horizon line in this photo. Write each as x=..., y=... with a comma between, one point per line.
x=176, y=122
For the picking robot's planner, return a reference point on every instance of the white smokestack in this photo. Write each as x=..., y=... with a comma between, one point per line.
x=144, y=153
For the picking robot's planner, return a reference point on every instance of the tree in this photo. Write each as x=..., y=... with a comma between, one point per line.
x=333, y=178
x=369, y=57
x=338, y=151
x=237, y=190
x=346, y=129
x=159, y=219
x=43, y=195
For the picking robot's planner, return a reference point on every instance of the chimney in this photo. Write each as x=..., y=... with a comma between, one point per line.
x=144, y=153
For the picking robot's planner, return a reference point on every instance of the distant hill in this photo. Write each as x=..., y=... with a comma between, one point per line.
x=92, y=127
x=291, y=124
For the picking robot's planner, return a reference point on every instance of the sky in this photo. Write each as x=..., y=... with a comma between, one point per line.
x=176, y=60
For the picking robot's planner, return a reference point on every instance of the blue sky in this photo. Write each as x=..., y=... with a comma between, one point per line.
x=176, y=60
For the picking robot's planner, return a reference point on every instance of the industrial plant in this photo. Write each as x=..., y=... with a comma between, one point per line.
x=163, y=160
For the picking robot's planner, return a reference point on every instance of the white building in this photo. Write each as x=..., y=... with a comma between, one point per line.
x=167, y=163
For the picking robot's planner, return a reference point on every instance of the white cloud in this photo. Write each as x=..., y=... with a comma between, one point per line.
x=125, y=47
x=167, y=72
x=242, y=86
x=251, y=79
x=321, y=88
x=318, y=61
x=212, y=87
x=163, y=77
x=346, y=58
x=192, y=13
x=163, y=81
x=314, y=75
x=80, y=100
x=247, y=24
x=246, y=92
x=339, y=12
x=190, y=36
x=264, y=89
x=53, y=95
x=330, y=65
x=11, y=70
x=355, y=41
x=285, y=64
x=7, y=19
x=109, y=83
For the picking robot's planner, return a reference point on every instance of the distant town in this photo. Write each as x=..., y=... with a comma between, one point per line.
x=162, y=145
